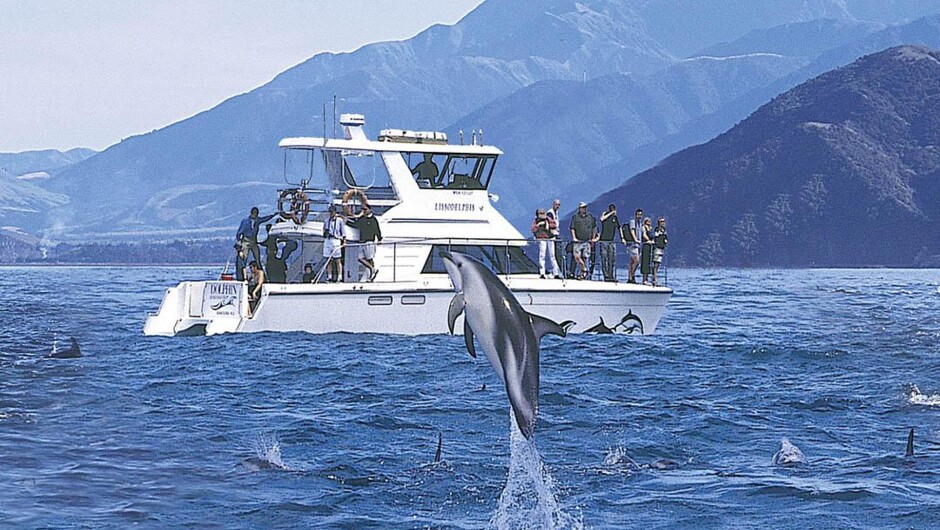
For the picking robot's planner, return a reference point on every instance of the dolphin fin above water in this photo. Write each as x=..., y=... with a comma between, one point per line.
x=909, y=451
x=440, y=443
x=543, y=326
x=73, y=352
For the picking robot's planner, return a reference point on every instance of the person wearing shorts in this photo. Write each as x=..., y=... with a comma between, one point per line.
x=369, y=234
x=583, y=229
x=334, y=237
x=633, y=237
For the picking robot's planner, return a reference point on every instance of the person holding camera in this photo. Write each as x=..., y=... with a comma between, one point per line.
x=544, y=228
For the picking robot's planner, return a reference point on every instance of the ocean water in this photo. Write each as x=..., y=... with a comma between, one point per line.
x=676, y=430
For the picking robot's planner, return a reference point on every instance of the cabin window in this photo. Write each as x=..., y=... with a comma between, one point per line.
x=413, y=299
x=451, y=171
x=380, y=300
x=497, y=258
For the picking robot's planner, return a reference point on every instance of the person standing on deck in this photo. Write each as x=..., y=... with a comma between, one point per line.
x=633, y=239
x=583, y=231
x=247, y=234
x=369, y=234
x=334, y=237
x=543, y=228
x=610, y=229
x=559, y=251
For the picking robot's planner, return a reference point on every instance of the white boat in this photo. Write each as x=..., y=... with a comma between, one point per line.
x=419, y=214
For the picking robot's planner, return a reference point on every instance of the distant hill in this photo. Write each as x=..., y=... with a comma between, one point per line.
x=924, y=31
x=843, y=170
x=26, y=205
x=206, y=171
x=558, y=134
x=798, y=39
x=46, y=160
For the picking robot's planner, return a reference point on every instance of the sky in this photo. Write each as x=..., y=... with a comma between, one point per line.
x=87, y=73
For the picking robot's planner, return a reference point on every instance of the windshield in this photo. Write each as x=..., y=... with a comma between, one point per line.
x=499, y=259
x=451, y=171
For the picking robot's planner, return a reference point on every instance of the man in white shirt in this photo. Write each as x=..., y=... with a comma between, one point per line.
x=559, y=251
x=334, y=237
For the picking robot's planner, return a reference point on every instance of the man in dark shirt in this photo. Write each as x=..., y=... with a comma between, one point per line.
x=427, y=171
x=583, y=229
x=369, y=234
x=247, y=234
x=610, y=229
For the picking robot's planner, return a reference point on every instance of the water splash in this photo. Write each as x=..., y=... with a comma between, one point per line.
x=919, y=398
x=617, y=458
x=529, y=500
x=267, y=454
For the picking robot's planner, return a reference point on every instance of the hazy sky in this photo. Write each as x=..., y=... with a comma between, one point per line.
x=86, y=73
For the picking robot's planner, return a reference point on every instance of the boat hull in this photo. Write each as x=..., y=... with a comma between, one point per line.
x=418, y=308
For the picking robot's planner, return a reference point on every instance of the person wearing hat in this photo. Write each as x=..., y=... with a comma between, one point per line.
x=583, y=229
x=543, y=228
x=334, y=237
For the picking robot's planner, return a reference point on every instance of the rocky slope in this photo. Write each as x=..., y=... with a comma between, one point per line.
x=843, y=170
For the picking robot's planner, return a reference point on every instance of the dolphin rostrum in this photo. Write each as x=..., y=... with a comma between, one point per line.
x=72, y=353
x=508, y=334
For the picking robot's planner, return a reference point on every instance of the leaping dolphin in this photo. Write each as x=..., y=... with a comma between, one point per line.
x=508, y=334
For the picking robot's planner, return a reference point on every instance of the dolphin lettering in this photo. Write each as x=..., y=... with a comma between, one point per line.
x=508, y=334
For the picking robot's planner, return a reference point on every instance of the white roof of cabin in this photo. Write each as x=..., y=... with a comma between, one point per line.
x=397, y=147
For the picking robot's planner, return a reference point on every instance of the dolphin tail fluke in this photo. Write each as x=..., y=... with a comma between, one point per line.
x=543, y=326
x=440, y=443
x=910, y=443
x=454, y=310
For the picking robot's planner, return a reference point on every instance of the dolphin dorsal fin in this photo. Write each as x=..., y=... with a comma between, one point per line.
x=468, y=339
x=440, y=442
x=543, y=326
x=454, y=310
x=910, y=443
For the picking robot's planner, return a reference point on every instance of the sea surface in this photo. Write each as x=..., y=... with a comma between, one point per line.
x=675, y=430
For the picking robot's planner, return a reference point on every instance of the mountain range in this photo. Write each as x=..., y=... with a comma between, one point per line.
x=579, y=95
x=843, y=170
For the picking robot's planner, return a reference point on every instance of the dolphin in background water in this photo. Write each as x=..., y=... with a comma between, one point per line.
x=508, y=334
x=788, y=455
x=73, y=352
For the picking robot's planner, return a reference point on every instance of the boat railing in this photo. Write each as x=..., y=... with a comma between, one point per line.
x=505, y=267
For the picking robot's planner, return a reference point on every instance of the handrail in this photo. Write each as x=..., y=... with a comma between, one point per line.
x=495, y=242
